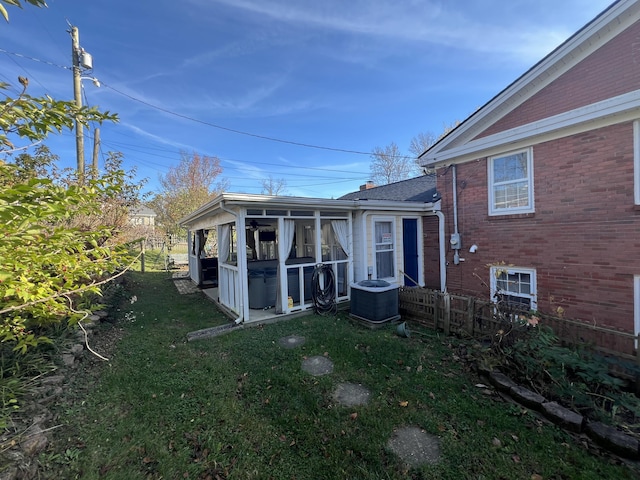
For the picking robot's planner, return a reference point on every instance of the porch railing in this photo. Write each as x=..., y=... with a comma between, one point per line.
x=229, y=287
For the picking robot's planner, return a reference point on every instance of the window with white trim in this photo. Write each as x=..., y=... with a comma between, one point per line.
x=384, y=248
x=511, y=183
x=636, y=162
x=514, y=286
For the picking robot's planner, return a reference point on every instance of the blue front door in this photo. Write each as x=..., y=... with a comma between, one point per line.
x=410, y=249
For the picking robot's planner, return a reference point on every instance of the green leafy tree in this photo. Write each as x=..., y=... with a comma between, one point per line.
x=52, y=258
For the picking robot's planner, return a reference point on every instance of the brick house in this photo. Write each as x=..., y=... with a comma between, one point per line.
x=541, y=186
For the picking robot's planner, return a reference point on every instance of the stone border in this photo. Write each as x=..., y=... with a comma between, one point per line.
x=605, y=435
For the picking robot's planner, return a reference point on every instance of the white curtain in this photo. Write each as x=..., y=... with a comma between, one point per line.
x=285, y=241
x=342, y=234
x=225, y=243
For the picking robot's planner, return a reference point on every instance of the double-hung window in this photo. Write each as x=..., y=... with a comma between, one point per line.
x=511, y=183
x=515, y=287
x=384, y=246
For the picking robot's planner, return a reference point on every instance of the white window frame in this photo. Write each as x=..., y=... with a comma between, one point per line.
x=530, y=208
x=532, y=296
x=393, y=250
x=636, y=162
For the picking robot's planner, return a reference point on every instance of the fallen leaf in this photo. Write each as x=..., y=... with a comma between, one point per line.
x=354, y=415
x=403, y=404
x=432, y=396
x=515, y=438
x=481, y=385
x=146, y=460
x=496, y=442
x=419, y=368
x=442, y=428
x=515, y=458
x=480, y=423
x=535, y=476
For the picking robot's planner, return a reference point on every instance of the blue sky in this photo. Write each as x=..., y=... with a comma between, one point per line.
x=339, y=77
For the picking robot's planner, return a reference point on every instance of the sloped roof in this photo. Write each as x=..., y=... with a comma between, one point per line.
x=462, y=144
x=142, y=211
x=420, y=189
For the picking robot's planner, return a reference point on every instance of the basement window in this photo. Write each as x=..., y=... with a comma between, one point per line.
x=516, y=287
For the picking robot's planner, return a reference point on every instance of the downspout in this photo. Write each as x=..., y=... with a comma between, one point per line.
x=238, y=320
x=443, y=252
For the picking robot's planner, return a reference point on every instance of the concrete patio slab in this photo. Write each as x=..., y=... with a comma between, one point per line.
x=415, y=447
x=318, y=365
x=351, y=394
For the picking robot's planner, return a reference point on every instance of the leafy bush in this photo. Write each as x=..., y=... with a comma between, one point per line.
x=531, y=354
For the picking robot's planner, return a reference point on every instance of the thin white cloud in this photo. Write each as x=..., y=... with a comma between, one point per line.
x=157, y=138
x=429, y=22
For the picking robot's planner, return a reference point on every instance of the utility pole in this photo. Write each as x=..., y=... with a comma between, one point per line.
x=77, y=94
x=96, y=149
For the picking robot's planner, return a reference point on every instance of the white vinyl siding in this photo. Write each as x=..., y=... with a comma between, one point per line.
x=511, y=183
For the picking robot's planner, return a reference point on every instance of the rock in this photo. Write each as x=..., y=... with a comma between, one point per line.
x=68, y=359
x=501, y=381
x=101, y=314
x=563, y=416
x=53, y=380
x=77, y=350
x=614, y=440
x=526, y=397
x=35, y=442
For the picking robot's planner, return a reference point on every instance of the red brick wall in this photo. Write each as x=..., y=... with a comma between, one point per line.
x=583, y=239
x=432, y=252
x=611, y=70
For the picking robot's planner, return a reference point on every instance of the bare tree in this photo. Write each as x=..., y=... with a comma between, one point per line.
x=189, y=185
x=272, y=186
x=390, y=165
x=421, y=142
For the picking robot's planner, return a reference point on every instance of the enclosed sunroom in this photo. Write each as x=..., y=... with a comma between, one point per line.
x=261, y=256
x=265, y=250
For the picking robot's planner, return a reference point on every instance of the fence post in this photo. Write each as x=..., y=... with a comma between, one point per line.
x=447, y=313
x=471, y=307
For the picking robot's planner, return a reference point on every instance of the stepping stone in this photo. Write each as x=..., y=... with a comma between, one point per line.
x=318, y=365
x=415, y=447
x=292, y=341
x=351, y=394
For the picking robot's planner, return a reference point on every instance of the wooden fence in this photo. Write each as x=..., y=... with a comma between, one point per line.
x=475, y=317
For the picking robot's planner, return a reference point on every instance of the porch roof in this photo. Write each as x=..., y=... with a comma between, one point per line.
x=226, y=200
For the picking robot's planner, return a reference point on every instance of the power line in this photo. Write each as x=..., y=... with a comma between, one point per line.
x=239, y=132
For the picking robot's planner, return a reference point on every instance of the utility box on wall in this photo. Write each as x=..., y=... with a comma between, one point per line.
x=374, y=300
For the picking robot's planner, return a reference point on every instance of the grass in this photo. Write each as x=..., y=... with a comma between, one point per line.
x=239, y=406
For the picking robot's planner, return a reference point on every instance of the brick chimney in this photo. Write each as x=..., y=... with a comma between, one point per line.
x=367, y=185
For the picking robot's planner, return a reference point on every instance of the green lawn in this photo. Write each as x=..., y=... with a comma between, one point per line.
x=239, y=406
